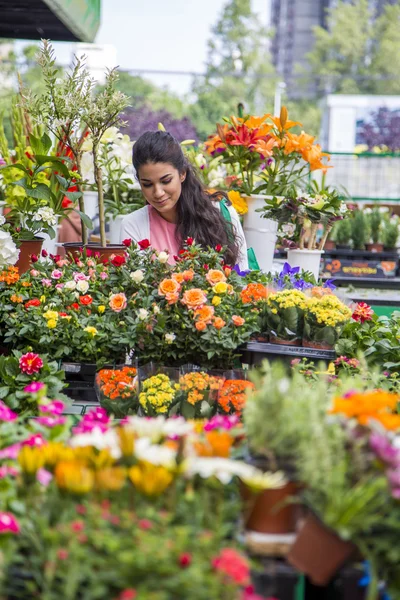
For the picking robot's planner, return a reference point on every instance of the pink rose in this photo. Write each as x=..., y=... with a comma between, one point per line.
x=56, y=274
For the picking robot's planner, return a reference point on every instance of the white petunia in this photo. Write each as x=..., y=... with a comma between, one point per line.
x=9, y=252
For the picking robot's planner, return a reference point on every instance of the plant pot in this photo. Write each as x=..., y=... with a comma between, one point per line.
x=307, y=260
x=281, y=342
x=389, y=249
x=330, y=245
x=85, y=372
x=375, y=247
x=75, y=248
x=343, y=246
x=114, y=233
x=317, y=345
x=26, y=249
x=267, y=512
x=260, y=233
x=318, y=551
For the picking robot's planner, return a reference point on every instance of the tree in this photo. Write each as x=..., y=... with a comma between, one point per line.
x=238, y=69
x=358, y=52
x=382, y=129
x=144, y=119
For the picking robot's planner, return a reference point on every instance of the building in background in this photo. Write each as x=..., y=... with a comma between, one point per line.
x=293, y=22
x=99, y=57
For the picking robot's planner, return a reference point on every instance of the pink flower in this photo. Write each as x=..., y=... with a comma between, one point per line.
x=59, y=286
x=10, y=452
x=145, y=524
x=62, y=554
x=90, y=263
x=34, y=387
x=128, y=594
x=80, y=277
x=5, y=471
x=185, y=560
x=51, y=421
x=62, y=263
x=34, y=440
x=8, y=523
x=55, y=407
x=46, y=282
x=30, y=363
x=56, y=274
x=77, y=526
x=34, y=273
x=6, y=414
x=363, y=312
x=44, y=477
x=234, y=565
x=103, y=275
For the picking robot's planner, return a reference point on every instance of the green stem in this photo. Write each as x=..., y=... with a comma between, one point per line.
x=100, y=194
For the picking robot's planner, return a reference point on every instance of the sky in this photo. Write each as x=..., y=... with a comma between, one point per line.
x=166, y=35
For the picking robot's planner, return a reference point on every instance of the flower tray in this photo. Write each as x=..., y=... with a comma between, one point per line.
x=255, y=352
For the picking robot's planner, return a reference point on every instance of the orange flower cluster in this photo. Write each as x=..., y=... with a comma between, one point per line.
x=118, y=383
x=199, y=385
x=16, y=298
x=254, y=292
x=378, y=405
x=319, y=291
x=10, y=275
x=216, y=444
x=232, y=395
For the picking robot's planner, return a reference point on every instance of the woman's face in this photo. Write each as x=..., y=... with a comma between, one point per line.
x=161, y=185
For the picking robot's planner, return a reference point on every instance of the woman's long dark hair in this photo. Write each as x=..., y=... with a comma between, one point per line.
x=198, y=217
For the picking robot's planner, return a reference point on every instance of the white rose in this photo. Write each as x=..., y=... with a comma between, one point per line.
x=2, y=220
x=170, y=337
x=143, y=314
x=137, y=276
x=9, y=252
x=163, y=257
x=156, y=310
x=70, y=285
x=82, y=286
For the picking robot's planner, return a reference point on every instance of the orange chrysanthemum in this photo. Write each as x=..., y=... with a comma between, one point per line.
x=118, y=383
x=232, y=396
x=254, y=292
x=16, y=298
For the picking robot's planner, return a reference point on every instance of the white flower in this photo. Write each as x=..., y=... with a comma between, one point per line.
x=170, y=337
x=143, y=314
x=163, y=257
x=99, y=439
x=154, y=453
x=177, y=427
x=110, y=135
x=70, y=285
x=87, y=167
x=288, y=229
x=156, y=309
x=45, y=214
x=137, y=276
x=224, y=469
x=384, y=209
x=9, y=252
x=343, y=208
x=149, y=428
x=200, y=160
x=82, y=286
x=2, y=220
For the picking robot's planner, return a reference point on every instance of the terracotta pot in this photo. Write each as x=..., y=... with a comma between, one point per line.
x=330, y=245
x=266, y=512
x=318, y=551
x=277, y=340
x=316, y=345
x=75, y=248
x=26, y=249
x=375, y=247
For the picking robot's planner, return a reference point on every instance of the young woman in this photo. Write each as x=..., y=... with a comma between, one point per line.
x=178, y=206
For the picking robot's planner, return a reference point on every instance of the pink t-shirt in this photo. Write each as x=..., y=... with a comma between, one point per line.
x=162, y=235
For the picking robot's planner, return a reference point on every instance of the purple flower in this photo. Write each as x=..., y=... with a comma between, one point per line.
x=393, y=476
x=329, y=284
x=239, y=272
x=288, y=270
x=34, y=387
x=384, y=450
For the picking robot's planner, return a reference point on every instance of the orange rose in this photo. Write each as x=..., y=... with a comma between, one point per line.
x=219, y=323
x=194, y=298
x=178, y=277
x=172, y=298
x=201, y=326
x=214, y=276
x=188, y=275
x=118, y=302
x=238, y=321
x=168, y=286
x=204, y=314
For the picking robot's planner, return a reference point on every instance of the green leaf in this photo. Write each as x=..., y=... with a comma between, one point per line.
x=4, y=392
x=86, y=220
x=73, y=195
x=56, y=162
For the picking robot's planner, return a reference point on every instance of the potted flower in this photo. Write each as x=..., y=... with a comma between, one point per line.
x=310, y=214
x=117, y=390
x=285, y=317
x=265, y=158
x=324, y=319
x=73, y=113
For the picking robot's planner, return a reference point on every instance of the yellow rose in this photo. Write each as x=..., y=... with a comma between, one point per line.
x=91, y=330
x=51, y=323
x=101, y=308
x=220, y=288
x=216, y=300
x=51, y=314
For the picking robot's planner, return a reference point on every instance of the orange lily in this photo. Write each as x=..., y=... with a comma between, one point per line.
x=314, y=155
x=265, y=147
x=288, y=124
x=256, y=122
x=298, y=143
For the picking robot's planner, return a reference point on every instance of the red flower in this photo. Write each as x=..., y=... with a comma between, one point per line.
x=143, y=244
x=33, y=302
x=55, y=257
x=118, y=261
x=145, y=524
x=30, y=363
x=218, y=247
x=185, y=560
x=34, y=258
x=363, y=312
x=63, y=314
x=231, y=563
x=77, y=526
x=62, y=554
x=206, y=267
x=74, y=305
x=66, y=203
x=189, y=241
x=128, y=594
x=45, y=253
x=85, y=300
x=127, y=242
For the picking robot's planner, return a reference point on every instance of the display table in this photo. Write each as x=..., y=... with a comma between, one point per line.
x=255, y=352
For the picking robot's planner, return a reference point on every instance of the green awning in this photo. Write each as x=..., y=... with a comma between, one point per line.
x=82, y=17
x=57, y=20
